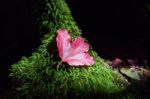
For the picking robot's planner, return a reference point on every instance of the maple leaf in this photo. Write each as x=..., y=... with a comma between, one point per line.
x=73, y=52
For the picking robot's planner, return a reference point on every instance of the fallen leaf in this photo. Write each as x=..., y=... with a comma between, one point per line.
x=116, y=62
x=75, y=53
x=131, y=73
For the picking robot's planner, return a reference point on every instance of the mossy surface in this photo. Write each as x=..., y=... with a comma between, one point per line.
x=37, y=77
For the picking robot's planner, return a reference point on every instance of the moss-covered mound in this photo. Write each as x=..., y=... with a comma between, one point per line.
x=36, y=77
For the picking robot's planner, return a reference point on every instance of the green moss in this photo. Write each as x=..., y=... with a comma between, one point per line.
x=37, y=76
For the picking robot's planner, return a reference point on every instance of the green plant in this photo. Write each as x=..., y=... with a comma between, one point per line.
x=37, y=76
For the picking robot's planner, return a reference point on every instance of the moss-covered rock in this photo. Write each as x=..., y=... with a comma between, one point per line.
x=36, y=77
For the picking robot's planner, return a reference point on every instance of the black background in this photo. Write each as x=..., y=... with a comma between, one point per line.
x=19, y=35
x=115, y=28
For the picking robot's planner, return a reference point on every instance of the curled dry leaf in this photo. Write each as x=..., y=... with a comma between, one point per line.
x=137, y=73
x=131, y=73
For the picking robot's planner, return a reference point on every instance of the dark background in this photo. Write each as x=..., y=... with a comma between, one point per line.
x=117, y=28
x=19, y=35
